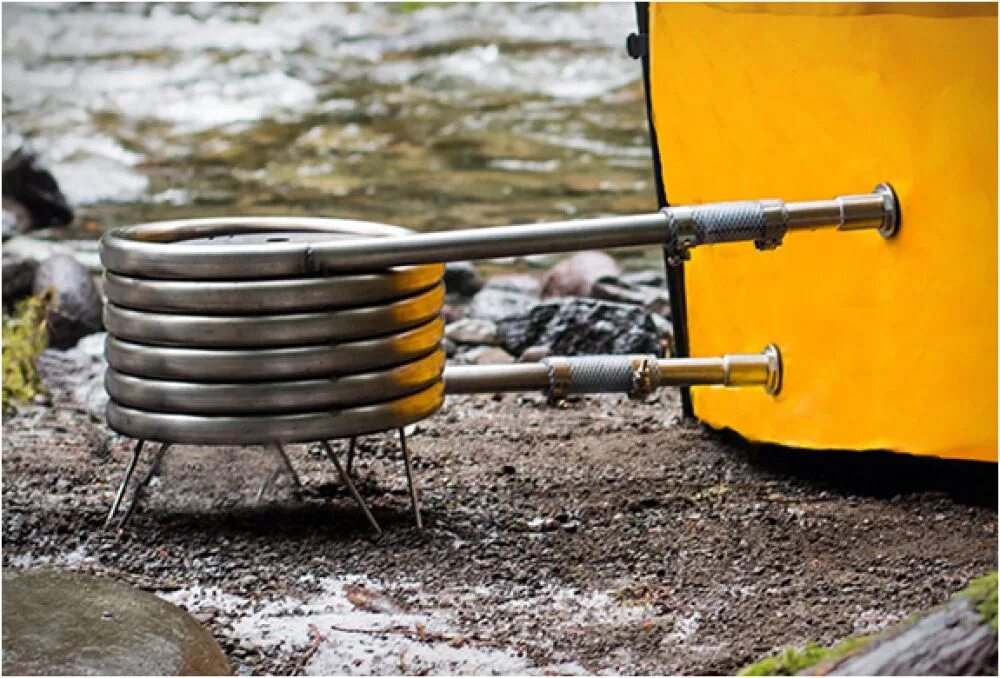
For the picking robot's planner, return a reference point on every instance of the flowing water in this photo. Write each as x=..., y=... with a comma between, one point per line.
x=425, y=115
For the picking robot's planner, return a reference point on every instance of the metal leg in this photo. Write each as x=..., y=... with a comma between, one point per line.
x=414, y=500
x=350, y=486
x=286, y=465
x=351, y=442
x=154, y=470
x=137, y=450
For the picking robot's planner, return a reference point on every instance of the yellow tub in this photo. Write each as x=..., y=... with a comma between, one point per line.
x=887, y=344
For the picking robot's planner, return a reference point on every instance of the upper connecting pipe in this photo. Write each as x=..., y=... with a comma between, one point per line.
x=678, y=229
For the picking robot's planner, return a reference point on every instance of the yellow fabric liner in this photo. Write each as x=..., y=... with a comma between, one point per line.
x=886, y=344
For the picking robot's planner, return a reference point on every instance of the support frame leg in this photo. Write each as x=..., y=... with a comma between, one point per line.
x=408, y=463
x=154, y=470
x=129, y=470
x=350, y=486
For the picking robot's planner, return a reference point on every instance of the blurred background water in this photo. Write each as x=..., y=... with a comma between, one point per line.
x=424, y=115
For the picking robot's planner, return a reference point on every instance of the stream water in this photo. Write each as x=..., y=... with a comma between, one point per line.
x=424, y=115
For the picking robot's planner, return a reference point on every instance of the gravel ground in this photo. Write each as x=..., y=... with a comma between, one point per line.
x=602, y=536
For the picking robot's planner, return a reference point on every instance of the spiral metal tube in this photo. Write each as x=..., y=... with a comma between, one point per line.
x=257, y=347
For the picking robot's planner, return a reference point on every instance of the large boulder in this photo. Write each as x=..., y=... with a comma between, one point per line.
x=77, y=308
x=63, y=623
x=582, y=327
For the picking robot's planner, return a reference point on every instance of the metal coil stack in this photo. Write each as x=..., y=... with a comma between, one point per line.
x=227, y=331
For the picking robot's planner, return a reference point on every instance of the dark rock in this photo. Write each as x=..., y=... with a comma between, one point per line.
x=646, y=278
x=655, y=299
x=18, y=277
x=462, y=279
x=77, y=310
x=575, y=275
x=29, y=184
x=67, y=623
x=582, y=327
x=504, y=296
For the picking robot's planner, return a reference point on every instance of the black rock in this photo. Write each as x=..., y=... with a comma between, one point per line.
x=18, y=276
x=77, y=309
x=29, y=184
x=581, y=327
x=462, y=279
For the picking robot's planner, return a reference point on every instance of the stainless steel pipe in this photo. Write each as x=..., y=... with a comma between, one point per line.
x=251, y=247
x=635, y=375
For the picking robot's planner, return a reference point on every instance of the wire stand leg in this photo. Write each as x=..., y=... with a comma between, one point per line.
x=351, y=442
x=154, y=470
x=286, y=466
x=350, y=486
x=414, y=500
x=129, y=470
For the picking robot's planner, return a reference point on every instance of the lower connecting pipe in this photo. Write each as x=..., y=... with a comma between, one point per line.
x=635, y=375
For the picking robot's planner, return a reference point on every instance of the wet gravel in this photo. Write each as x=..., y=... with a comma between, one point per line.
x=716, y=552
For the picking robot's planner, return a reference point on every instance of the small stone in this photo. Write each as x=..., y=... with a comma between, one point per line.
x=476, y=331
x=534, y=354
x=575, y=275
x=488, y=355
x=543, y=524
x=571, y=526
x=504, y=295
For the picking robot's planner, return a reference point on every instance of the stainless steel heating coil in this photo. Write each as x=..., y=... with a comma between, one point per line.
x=287, y=329
x=184, y=397
x=219, y=332
x=279, y=329
x=262, y=364
x=187, y=429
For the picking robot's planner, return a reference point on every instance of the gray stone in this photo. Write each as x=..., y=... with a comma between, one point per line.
x=18, y=276
x=487, y=355
x=461, y=278
x=582, y=327
x=62, y=623
x=543, y=524
x=534, y=354
x=503, y=296
x=78, y=306
x=16, y=219
x=475, y=331
x=575, y=275
x=87, y=252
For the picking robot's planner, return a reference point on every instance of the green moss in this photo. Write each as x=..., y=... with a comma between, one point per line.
x=794, y=660
x=982, y=592
x=25, y=335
